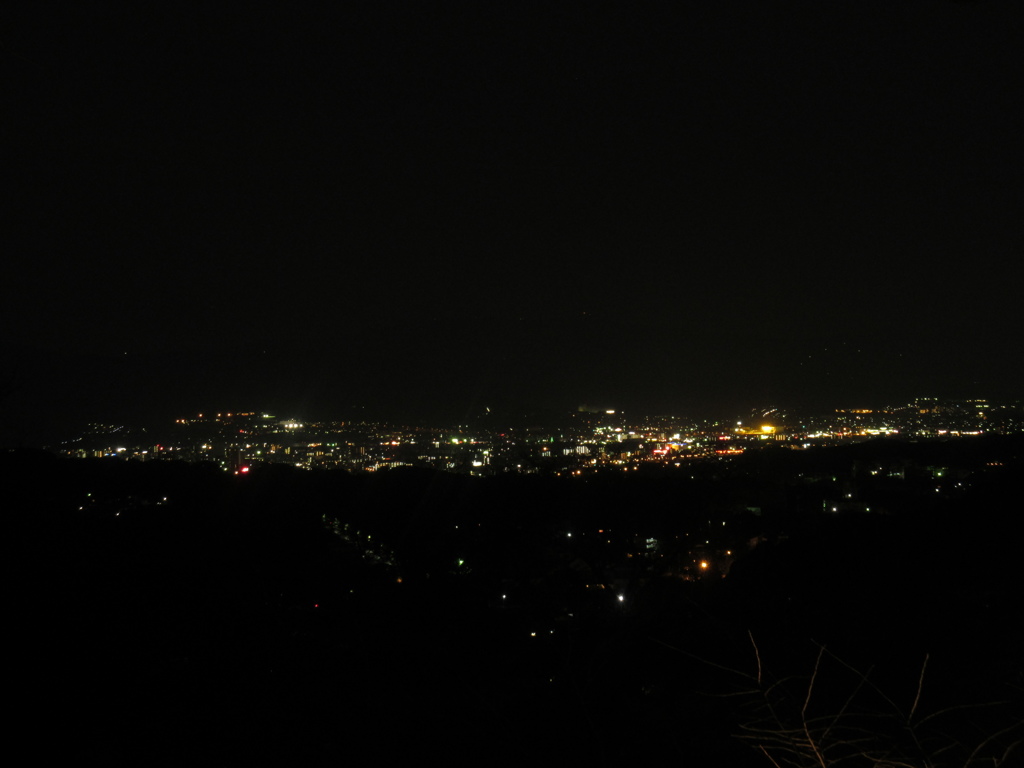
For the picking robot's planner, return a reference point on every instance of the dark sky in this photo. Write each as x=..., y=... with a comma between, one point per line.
x=431, y=207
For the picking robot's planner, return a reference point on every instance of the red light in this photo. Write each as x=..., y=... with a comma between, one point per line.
x=244, y=469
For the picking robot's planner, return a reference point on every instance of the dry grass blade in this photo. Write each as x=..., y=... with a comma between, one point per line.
x=990, y=739
x=869, y=728
x=703, y=660
x=920, y=685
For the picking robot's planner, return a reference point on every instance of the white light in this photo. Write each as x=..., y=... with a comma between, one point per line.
x=622, y=598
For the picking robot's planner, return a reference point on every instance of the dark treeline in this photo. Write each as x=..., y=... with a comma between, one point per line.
x=169, y=609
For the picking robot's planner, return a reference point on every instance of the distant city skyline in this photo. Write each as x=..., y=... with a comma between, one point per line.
x=497, y=437
x=440, y=383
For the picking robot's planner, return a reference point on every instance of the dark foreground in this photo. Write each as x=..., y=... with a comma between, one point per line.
x=168, y=612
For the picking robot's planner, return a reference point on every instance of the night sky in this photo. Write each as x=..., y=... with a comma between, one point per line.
x=422, y=209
